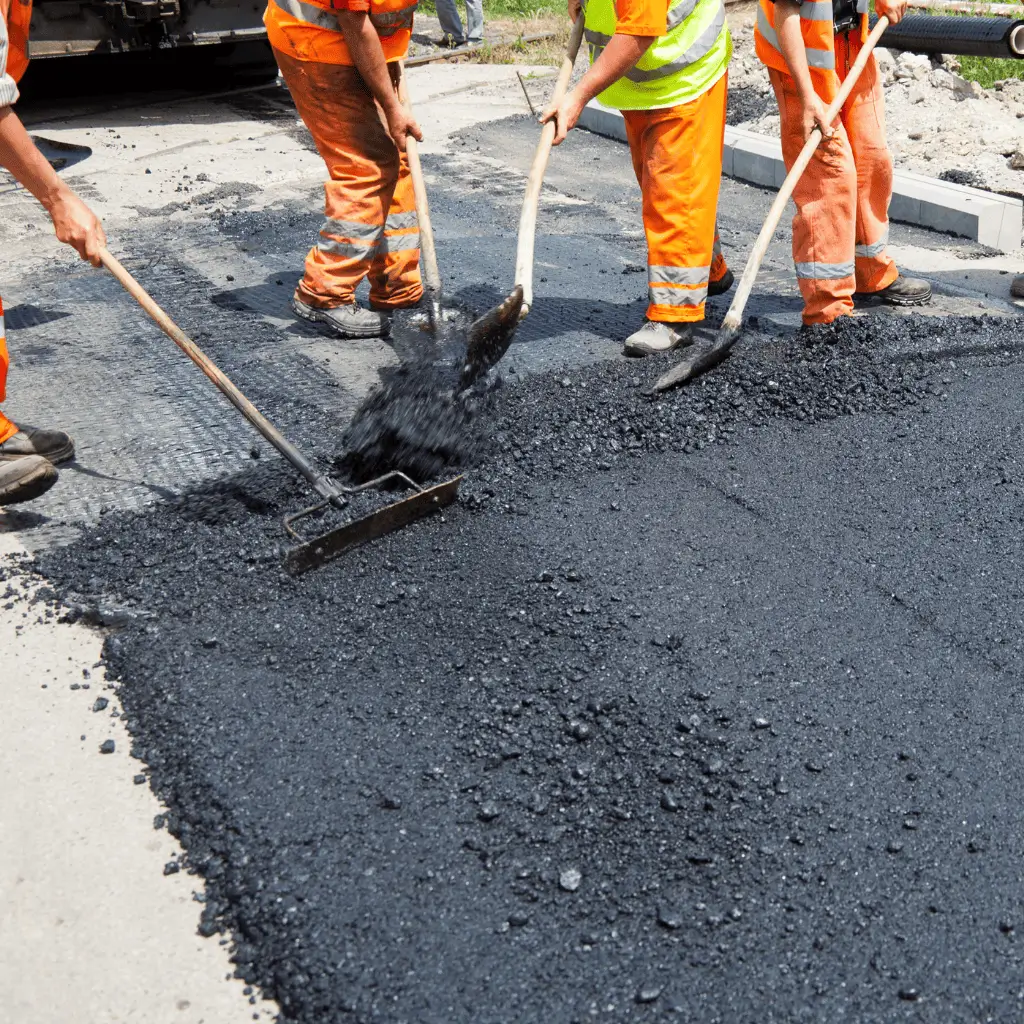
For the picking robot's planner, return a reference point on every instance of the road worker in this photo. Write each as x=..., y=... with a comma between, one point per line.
x=340, y=59
x=841, y=226
x=28, y=454
x=663, y=63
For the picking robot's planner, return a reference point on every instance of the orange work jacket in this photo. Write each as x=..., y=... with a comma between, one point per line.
x=16, y=14
x=309, y=30
x=819, y=41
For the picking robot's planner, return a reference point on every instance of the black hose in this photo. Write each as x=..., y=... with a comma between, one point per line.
x=968, y=37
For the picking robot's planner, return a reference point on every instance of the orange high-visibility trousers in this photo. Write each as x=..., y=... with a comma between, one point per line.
x=841, y=226
x=7, y=428
x=370, y=228
x=677, y=157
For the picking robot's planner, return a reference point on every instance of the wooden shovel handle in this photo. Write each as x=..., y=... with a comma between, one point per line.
x=528, y=217
x=428, y=253
x=734, y=318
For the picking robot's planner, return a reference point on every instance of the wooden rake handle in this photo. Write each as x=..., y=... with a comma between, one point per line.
x=320, y=483
x=734, y=318
x=528, y=217
x=428, y=253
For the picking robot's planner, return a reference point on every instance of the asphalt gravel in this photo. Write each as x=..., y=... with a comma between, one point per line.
x=704, y=708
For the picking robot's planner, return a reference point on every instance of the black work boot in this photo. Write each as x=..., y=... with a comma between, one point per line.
x=722, y=285
x=656, y=336
x=25, y=478
x=904, y=291
x=349, y=321
x=54, y=445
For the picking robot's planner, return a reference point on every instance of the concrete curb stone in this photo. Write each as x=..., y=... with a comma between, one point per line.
x=987, y=217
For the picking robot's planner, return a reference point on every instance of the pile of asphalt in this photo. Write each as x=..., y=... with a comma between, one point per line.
x=597, y=743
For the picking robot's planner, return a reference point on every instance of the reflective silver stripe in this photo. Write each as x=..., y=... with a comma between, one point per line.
x=2, y=335
x=824, y=60
x=716, y=249
x=816, y=10
x=702, y=46
x=862, y=6
x=678, y=14
x=308, y=13
x=596, y=38
x=358, y=251
x=351, y=250
x=875, y=248
x=678, y=275
x=388, y=23
x=824, y=271
x=660, y=296
x=353, y=229
x=399, y=221
x=399, y=243
x=8, y=87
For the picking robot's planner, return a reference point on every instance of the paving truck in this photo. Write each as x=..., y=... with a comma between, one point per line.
x=77, y=27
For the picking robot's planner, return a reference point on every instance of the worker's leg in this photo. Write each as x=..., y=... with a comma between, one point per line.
x=341, y=115
x=7, y=428
x=29, y=474
x=824, y=227
x=864, y=118
x=451, y=23
x=720, y=279
x=395, y=271
x=475, y=20
x=677, y=154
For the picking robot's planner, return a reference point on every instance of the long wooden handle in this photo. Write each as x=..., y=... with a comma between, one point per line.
x=320, y=483
x=428, y=252
x=528, y=217
x=734, y=318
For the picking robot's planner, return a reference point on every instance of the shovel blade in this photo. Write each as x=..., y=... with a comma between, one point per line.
x=490, y=337
x=698, y=360
x=321, y=550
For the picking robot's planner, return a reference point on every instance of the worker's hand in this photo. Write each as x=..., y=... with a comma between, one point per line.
x=565, y=117
x=891, y=9
x=814, y=117
x=78, y=226
x=574, y=9
x=401, y=124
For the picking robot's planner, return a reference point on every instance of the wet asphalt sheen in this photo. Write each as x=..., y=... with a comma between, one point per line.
x=704, y=709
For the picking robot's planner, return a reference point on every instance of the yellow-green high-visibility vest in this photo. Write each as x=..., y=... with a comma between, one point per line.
x=678, y=67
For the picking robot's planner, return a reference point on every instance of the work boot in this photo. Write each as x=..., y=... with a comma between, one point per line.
x=53, y=445
x=26, y=478
x=351, y=321
x=722, y=285
x=904, y=291
x=656, y=336
x=1017, y=287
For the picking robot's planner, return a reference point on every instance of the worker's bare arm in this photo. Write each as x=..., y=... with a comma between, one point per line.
x=381, y=79
x=73, y=221
x=621, y=53
x=791, y=44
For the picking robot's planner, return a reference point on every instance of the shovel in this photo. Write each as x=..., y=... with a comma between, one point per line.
x=491, y=335
x=428, y=253
x=308, y=553
x=699, y=359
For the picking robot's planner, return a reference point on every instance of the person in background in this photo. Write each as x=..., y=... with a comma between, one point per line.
x=841, y=227
x=28, y=454
x=341, y=61
x=452, y=33
x=663, y=63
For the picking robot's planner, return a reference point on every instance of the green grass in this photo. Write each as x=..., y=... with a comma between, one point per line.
x=507, y=8
x=986, y=71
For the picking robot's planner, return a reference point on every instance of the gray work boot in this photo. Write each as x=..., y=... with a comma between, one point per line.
x=25, y=479
x=1017, y=287
x=351, y=321
x=656, y=337
x=54, y=445
x=904, y=291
